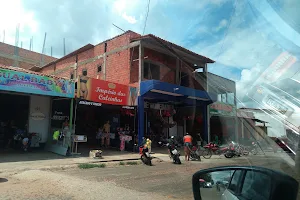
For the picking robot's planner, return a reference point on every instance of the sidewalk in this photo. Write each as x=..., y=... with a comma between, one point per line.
x=47, y=160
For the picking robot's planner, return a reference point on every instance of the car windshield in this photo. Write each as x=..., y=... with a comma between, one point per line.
x=93, y=93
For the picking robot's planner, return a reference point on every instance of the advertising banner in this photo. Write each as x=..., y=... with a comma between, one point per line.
x=30, y=83
x=106, y=92
x=222, y=109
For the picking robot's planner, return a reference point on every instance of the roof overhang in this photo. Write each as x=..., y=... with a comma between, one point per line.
x=158, y=44
x=158, y=91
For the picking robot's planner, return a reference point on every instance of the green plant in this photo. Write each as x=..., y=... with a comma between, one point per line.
x=122, y=163
x=90, y=165
x=132, y=163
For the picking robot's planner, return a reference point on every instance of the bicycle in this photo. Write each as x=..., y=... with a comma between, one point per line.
x=197, y=152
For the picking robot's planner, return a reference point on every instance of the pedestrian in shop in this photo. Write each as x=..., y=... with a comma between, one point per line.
x=122, y=139
x=187, y=141
x=148, y=144
x=99, y=136
x=65, y=124
x=106, y=134
x=199, y=139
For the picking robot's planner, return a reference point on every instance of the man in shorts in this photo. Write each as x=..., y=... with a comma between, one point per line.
x=187, y=141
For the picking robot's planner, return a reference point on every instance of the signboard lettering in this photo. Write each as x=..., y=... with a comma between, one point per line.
x=30, y=83
x=220, y=108
x=106, y=92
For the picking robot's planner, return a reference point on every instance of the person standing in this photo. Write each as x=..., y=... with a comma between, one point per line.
x=106, y=128
x=187, y=141
x=122, y=139
x=99, y=136
x=148, y=143
x=199, y=140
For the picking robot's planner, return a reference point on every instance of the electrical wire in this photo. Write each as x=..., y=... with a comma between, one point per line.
x=148, y=7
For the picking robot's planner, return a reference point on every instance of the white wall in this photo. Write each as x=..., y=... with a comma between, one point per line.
x=39, y=116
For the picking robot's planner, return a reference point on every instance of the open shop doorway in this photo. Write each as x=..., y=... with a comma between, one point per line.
x=92, y=116
x=14, y=116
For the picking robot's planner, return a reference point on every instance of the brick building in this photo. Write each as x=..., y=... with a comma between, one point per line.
x=117, y=60
x=23, y=58
x=131, y=59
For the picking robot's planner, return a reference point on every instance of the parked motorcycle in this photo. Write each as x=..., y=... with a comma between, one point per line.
x=233, y=150
x=216, y=149
x=174, y=154
x=145, y=156
x=254, y=148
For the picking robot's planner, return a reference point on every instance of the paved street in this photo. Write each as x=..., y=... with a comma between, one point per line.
x=162, y=181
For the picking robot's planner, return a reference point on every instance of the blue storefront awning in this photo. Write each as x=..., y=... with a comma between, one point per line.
x=157, y=90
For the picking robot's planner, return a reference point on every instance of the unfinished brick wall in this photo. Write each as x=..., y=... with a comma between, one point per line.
x=117, y=68
x=121, y=67
x=29, y=58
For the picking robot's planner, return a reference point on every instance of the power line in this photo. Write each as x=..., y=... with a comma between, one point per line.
x=148, y=6
x=119, y=28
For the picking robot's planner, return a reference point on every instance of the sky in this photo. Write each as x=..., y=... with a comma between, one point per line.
x=242, y=36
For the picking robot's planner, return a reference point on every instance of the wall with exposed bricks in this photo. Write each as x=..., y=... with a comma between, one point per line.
x=28, y=58
x=120, y=67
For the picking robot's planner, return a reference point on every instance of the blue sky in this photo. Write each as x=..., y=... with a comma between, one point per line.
x=243, y=36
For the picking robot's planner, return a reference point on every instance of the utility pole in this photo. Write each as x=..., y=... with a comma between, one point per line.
x=16, y=53
x=3, y=36
x=30, y=44
x=64, y=47
x=43, y=50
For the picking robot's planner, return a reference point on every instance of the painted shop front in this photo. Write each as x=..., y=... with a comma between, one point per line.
x=26, y=98
x=105, y=114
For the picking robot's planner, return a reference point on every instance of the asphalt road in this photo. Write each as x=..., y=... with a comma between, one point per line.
x=162, y=181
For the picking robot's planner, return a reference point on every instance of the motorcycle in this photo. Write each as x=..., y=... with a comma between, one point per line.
x=174, y=154
x=254, y=149
x=145, y=156
x=216, y=149
x=232, y=150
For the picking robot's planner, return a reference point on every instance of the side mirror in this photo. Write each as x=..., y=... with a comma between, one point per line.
x=243, y=182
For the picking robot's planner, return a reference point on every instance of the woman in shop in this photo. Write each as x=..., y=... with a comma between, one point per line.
x=83, y=85
x=99, y=136
x=106, y=134
x=122, y=139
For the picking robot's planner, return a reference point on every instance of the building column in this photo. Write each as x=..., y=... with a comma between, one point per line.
x=206, y=123
x=141, y=109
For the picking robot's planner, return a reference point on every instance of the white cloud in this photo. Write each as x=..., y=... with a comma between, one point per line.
x=12, y=14
x=130, y=19
x=223, y=23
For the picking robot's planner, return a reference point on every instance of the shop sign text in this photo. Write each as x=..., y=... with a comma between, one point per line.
x=31, y=83
x=37, y=116
x=219, y=108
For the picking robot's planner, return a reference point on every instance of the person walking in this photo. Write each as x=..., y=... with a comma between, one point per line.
x=187, y=141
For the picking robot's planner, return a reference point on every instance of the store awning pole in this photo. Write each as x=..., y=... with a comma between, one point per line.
x=71, y=115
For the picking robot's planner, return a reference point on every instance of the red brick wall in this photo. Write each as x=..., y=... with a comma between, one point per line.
x=117, y=64
x=32, y=56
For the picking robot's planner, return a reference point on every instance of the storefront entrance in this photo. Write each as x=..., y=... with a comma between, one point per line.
x=92, y=116
x=14, y=116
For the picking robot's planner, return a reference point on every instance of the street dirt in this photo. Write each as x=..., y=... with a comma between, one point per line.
x=162, y=181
